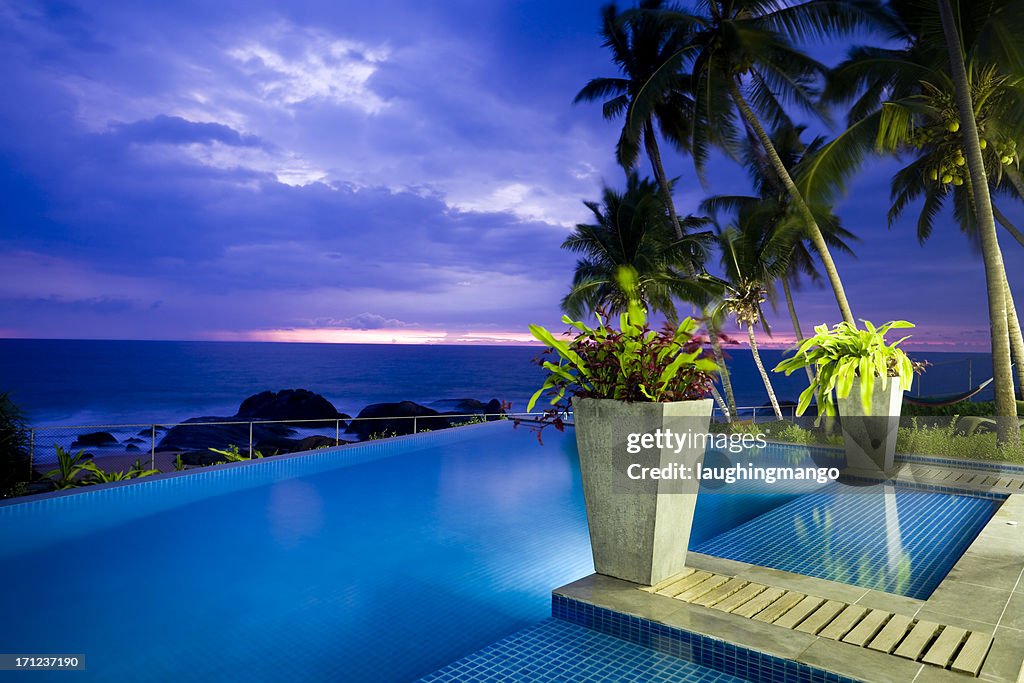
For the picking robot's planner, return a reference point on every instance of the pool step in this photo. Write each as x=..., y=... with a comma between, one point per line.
x=923, y=641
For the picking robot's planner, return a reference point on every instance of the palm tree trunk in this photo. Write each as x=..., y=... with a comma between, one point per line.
x=1012, y=321
x=723, y=370
x=1016, y=338
x=1005, y=222
x=721, y=403
x=814, y=232
x=796, y=322
x=764, y=375
x=654, y=154
x=1008, y=429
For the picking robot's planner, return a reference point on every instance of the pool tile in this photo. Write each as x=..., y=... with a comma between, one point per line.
x=902, y=541
x=557, y=651
x=718, y=654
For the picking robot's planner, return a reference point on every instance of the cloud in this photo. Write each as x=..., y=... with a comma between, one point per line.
x=291, y=65
x=363, y=321
x=175, y=130
x=372, y=170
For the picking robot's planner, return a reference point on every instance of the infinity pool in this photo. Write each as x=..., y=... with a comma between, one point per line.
x=378, y=562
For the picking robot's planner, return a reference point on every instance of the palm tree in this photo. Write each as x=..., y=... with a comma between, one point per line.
x=652, y=94
x=894, y=86
x=939, y=171
x=772, y=208
x=632, y=228
x=744, y=61
x=1008, y=429
x=753, y=257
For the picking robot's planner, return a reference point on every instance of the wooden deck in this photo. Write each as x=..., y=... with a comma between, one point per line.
x=918, y=640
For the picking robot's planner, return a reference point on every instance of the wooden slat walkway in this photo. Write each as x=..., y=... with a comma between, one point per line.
x=921, y=641
x=999, y=481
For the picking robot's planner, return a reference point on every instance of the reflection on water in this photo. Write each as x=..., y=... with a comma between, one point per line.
x=890, y=539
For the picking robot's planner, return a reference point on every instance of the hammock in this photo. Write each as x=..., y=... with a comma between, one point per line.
x=946, y=399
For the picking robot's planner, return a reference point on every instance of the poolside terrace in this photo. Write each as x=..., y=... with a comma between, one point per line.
x=971, y=625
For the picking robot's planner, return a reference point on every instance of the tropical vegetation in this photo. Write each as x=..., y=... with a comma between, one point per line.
x=844, y=354
x=632, y=363
x=14, y=444
x=941, y=88
x=78, y=469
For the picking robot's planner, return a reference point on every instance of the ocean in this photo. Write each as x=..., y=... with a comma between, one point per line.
x=70, y=382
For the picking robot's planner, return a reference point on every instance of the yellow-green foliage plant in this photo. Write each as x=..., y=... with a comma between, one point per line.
x=845, y=353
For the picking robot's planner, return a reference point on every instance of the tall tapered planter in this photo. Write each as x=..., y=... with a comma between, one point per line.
x=869, y=437
x=639, y=529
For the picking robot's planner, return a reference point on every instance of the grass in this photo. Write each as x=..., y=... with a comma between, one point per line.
x=781, y=430
x=943, y=437
x=945, y=440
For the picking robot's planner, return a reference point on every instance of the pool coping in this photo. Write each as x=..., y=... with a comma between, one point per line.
x=984, y=591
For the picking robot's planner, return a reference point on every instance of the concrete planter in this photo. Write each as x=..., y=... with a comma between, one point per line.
x=639, y=531
x=870, y=438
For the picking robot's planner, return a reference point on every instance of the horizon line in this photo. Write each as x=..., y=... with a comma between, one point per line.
x=375, y=338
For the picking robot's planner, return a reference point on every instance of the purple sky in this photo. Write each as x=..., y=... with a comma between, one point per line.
x=381, y=171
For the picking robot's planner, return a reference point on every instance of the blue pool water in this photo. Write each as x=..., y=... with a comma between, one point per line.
x=383, y=570
x=378, y=562
x=890, y=539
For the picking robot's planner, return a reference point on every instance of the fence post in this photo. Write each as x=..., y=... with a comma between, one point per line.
x=753, y=418
x=250, y=439
x=152, y=447
x=970, y=373
x=414, y=429
x=337, y=432
x=31, y=452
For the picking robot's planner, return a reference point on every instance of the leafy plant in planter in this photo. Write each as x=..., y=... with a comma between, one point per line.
x=844, y=354
x=625, y=380
x=633, y=363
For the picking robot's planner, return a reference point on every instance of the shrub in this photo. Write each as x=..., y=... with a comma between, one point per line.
x=14, y=437
x=231, y=454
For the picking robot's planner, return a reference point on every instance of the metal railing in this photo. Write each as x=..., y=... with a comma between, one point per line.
x=169, y=446
x=755, y=413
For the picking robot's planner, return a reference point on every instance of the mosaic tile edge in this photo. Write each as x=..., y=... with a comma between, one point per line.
x=701, y=649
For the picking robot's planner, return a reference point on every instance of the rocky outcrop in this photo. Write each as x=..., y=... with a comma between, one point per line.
x=288, y=404
x=471, y=406
x=197, y=434
x=94, y=439
x=395, y=419
x=276, y=415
